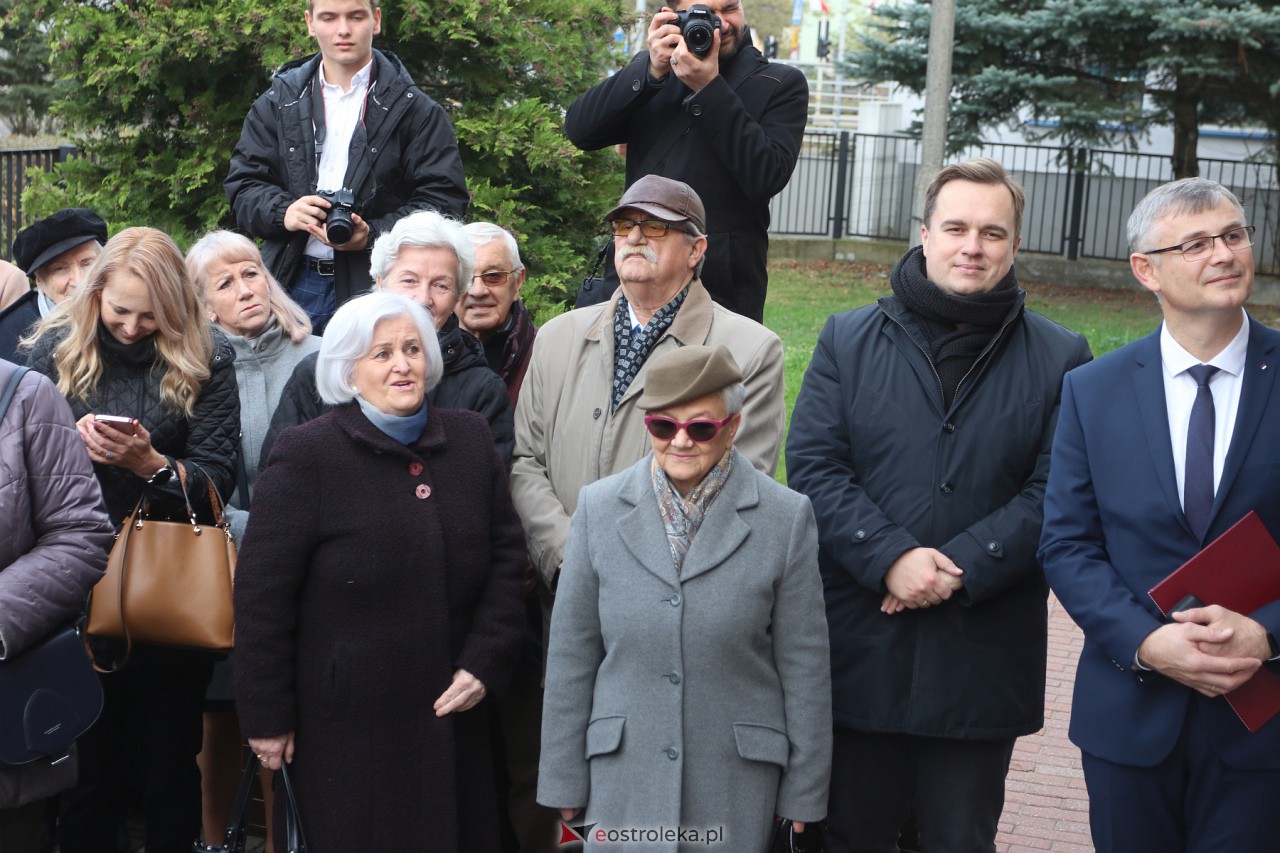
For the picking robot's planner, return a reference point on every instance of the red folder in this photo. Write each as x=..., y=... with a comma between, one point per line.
x=1240, y=570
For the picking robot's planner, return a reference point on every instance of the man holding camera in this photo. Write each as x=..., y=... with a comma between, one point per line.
x=341, y=146
x=703, y=106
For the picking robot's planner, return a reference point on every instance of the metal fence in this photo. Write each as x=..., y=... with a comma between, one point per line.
x=13, y=180
x=1078, y=199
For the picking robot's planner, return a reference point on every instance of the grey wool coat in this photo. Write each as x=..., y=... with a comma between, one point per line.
x=698, y=701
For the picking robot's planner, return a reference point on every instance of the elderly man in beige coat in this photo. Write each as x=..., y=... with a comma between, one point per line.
x=576, y=420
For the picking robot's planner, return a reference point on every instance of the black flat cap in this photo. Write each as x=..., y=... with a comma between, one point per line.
x=44, y=240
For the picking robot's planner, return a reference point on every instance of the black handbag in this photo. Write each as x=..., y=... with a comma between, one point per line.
x=787, y=840
x=595, y=287
x=233, y=841
x=49, y=696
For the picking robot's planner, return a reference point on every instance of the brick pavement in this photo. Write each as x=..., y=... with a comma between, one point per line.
x=1046, y=807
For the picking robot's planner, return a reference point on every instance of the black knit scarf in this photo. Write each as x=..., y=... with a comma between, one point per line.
x=957, y=327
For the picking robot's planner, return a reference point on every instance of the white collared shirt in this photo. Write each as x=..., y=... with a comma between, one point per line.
x=1180, y=396
x=342, y=112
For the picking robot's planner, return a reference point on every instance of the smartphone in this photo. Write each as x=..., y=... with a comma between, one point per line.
x=118, y=422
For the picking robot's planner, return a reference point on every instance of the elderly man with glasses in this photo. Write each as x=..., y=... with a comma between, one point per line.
x=577, y=420
x=490, y=309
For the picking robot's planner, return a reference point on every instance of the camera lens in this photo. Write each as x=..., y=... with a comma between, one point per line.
x=699, y=36
x=339, y=227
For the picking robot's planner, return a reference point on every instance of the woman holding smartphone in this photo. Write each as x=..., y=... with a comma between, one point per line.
x=151, y=386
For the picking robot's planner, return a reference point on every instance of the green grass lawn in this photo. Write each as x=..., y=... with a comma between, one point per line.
x=803, y=295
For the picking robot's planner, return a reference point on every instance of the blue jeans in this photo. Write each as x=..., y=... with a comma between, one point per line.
x=315, y=294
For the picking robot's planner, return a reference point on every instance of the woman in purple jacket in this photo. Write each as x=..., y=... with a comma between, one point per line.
x=54, y=537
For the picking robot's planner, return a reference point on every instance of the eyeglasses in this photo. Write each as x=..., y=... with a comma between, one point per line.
x=1237, y=240
x=700, y=430
x=493, y=278
x=648, y=227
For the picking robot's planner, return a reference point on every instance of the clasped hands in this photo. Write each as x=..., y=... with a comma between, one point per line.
x=1211, y=649
x=920, y=577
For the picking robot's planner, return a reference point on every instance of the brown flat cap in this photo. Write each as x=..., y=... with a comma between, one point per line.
x=670, y=201
x=687, y=373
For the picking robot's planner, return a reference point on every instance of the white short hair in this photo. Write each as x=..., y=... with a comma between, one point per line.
x=425, y=229
x=484, y=233
x=349, y=335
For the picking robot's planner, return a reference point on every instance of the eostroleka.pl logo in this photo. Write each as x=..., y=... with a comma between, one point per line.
x=632, y=835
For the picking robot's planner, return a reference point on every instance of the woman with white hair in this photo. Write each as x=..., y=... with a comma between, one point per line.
x=428, y=258
x=374, y=615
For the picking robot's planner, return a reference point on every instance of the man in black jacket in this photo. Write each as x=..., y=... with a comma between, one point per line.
x=921, y=435
x=347, y=119
x=727, y=123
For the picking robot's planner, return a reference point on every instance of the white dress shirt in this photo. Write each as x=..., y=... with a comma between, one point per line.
x=1180, y=396
x=342, y=112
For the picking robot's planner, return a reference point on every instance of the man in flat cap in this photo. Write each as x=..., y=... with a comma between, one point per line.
x=577, y=419
x=55, y=251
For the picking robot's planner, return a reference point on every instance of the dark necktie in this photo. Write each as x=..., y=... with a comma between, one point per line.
x=1197, y=489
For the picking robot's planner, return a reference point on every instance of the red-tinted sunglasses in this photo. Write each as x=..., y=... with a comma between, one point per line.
x=700, y=430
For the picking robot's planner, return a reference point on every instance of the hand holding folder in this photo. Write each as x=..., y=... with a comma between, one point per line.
x=1240, y=570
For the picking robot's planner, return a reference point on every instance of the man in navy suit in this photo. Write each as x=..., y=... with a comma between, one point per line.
x=1155, y=455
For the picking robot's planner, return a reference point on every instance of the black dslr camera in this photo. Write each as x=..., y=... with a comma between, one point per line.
x=698, y=27
x=337, y=224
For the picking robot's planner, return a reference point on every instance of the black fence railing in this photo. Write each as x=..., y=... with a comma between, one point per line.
x=861, y=185
x=13, y=180
x=1078, y=199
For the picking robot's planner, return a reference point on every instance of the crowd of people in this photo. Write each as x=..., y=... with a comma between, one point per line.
x=501, y=587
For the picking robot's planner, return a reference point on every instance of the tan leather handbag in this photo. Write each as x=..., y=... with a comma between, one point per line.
x=168, y=582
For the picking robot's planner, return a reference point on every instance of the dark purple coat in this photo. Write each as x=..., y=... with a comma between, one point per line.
x=369, y=572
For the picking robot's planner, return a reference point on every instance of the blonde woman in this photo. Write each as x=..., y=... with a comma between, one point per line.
x=270, y=334
x=132, y=342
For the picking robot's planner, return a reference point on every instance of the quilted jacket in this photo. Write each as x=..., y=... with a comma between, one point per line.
x=206, y=443
x=54, y=537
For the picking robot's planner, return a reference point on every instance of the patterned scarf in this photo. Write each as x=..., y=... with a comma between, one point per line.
x=682, y=516
x=632, y=348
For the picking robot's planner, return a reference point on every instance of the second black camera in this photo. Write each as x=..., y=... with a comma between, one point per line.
x=338, y=225
x=698, y=27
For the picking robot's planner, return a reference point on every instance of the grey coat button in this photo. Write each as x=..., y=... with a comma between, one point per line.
x=674, y=599
x=674, y=676
x=673, y=753
x=596, y=414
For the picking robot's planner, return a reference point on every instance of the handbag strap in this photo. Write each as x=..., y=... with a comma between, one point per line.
x=11, y=388
x=295, y=839
x=240, y=810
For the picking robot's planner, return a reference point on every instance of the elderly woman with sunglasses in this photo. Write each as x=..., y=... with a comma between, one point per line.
x=688, y=682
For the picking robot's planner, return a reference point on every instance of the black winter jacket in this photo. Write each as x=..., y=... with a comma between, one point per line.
x=888, y=469
x=468, y=383
x=404, y=157
x=206, y=444
x=735, y=142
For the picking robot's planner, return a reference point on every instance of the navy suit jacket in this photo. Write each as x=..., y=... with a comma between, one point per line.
x=1114, y=528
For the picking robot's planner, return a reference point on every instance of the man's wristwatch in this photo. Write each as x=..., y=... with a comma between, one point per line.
x=162, y=475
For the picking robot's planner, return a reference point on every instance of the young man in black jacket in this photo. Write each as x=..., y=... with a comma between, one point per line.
x=921, y=435
x=726, y=122
x=344, y=134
